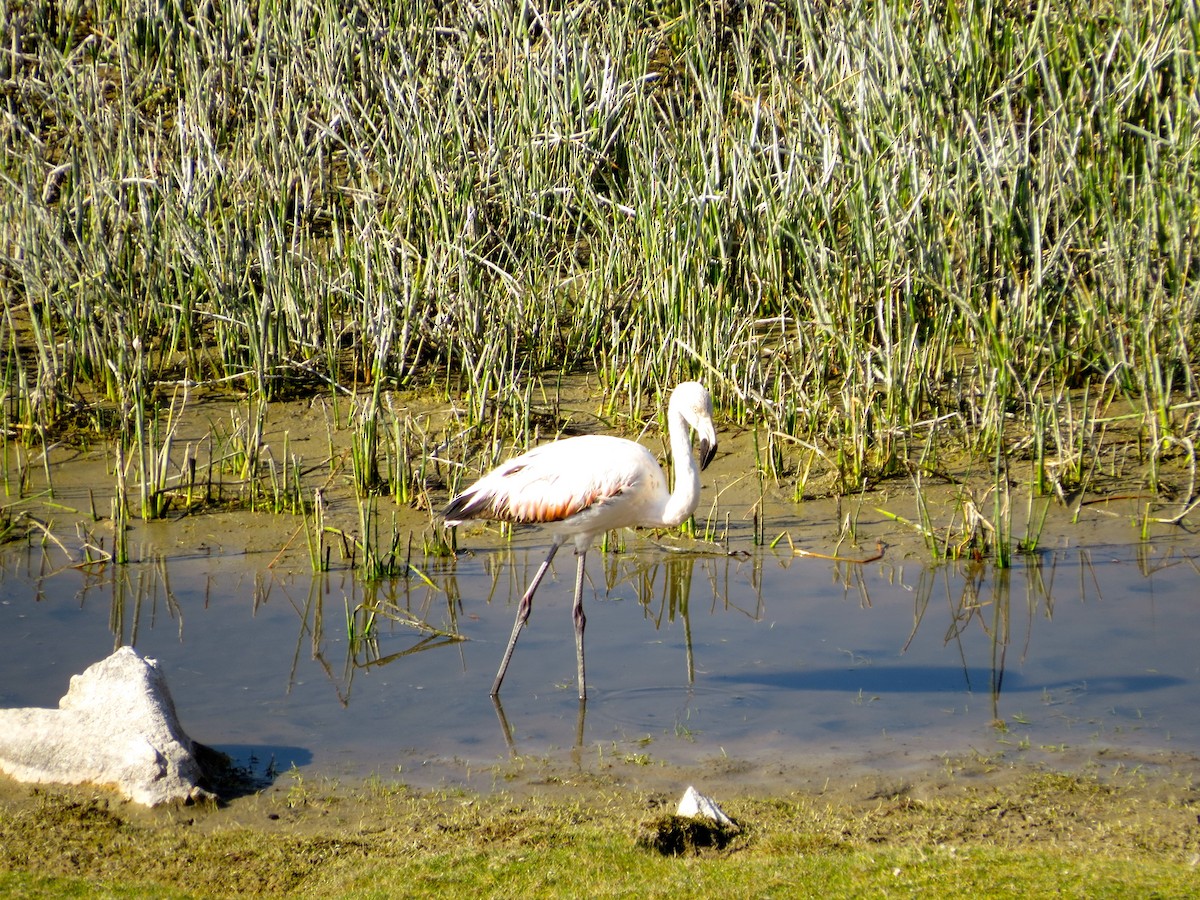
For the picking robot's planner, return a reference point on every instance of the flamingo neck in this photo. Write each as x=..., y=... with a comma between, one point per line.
x=686, y=493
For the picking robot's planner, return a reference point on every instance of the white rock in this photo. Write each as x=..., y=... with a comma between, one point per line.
x=116, y=726
x=695, y=805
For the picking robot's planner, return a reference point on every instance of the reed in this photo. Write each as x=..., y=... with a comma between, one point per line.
x=869, y=227
x=379, y=549
x=314, y=533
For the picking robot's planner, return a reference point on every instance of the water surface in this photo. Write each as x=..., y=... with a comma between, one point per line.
x=762, y=657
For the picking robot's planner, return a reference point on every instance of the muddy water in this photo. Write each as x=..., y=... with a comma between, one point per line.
x=763, y=657
x=745, y=661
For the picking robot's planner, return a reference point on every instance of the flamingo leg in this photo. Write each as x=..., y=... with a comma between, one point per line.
x=523, y=610
x=580, y=623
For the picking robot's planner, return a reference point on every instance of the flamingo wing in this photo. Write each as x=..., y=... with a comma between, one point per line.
x=556, y=481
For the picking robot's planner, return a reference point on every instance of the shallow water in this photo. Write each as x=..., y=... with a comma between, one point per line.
x=763, y=658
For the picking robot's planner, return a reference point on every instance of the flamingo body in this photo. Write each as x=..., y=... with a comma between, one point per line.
x=581, y=487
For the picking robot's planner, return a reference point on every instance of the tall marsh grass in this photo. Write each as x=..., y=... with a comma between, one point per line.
x=871, y=227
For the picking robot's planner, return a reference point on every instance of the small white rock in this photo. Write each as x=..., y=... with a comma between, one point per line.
x=695, y=805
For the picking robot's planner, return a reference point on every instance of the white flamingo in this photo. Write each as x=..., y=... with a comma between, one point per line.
x=584, y=486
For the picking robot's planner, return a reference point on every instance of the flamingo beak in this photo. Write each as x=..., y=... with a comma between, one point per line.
x=707, y=451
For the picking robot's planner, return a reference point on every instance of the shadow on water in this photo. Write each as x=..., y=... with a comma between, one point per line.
x=239, y=770
x=697, y=654
x=943, y=679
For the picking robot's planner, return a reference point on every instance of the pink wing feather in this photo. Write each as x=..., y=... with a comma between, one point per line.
x=555, y=481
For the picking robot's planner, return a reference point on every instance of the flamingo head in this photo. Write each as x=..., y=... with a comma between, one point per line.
x=692, y=401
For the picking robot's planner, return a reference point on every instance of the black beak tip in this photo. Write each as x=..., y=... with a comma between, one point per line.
x=707, y=452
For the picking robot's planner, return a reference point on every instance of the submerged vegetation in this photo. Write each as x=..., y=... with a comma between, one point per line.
x=883, y=234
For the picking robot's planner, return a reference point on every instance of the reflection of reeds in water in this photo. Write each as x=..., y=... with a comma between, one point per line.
x=138, y=593
x=376, y=614
x=985, y=602
x=664, y=589
x=380, y=610
x=372, y=619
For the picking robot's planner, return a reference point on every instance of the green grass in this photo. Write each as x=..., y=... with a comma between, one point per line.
x=880, y=233
x=1043, y=834
x=580, y=870
x=575, y=870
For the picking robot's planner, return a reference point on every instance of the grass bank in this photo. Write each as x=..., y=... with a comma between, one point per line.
x=1037, y=834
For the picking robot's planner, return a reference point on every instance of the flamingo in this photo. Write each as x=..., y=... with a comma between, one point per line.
x=581, y=487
